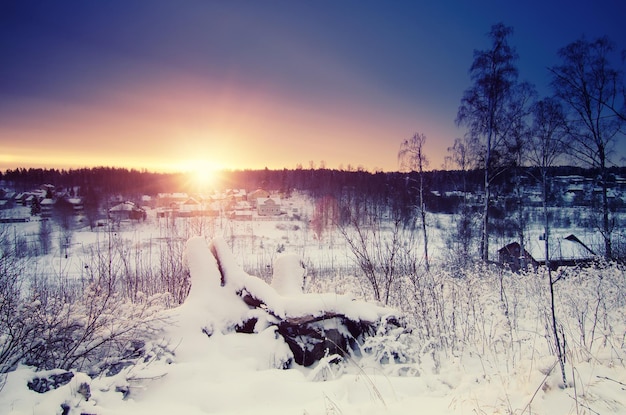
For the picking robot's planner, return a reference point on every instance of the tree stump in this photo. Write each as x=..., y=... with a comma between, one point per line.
x=313, y=325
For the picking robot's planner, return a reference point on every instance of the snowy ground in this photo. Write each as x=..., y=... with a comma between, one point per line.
x=501, y=362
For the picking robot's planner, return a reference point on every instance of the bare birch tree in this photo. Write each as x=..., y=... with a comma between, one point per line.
x=484, y=109
x=588, y=86
x=412, y=158
x=462, y=156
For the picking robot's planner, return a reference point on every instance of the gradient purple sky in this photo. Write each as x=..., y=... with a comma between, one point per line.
x=173, y=85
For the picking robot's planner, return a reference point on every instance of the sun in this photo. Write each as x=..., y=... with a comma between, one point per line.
x=201, y=175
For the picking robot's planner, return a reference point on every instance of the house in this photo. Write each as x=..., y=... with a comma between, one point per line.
x=7, y=194
x=125, y=211
x=46, y=207
x=292, y=209
x=236, y=195
x=254, y=196
x=240, y=211
x=29, y=199
x=566, y=251
x=190, y=207
x=147, y=200
x=77, y=204
x=511, y=256
x=171, y=200
x=47, y=190
x=268, y=206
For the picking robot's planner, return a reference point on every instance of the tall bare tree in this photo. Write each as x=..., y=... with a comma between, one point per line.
x=484, y=109
x=545, y=149
x=462, y=156
x=588, y=86
x=412, y=158
x=517, y=144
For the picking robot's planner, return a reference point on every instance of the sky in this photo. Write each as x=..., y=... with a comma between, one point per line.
x=182, y=85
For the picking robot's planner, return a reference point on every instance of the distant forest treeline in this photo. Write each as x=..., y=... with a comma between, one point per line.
x=317, y=182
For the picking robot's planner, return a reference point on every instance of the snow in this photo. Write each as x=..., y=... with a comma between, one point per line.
x=199, y=366
x=289, y=274
x=228, y=378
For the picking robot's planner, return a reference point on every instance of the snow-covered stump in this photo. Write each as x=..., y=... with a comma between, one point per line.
x=208, y=303
x=312, y=325
x=288, y=276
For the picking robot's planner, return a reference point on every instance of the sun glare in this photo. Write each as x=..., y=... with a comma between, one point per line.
x=203, y=178
x=200, y=175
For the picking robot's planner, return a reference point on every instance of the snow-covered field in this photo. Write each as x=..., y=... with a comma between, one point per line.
x=473, y=345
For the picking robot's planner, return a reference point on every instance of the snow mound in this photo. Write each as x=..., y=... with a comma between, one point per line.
x=225, y=299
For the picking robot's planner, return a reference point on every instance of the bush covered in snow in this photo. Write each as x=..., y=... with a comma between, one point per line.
x=46, y=326
x=91, y=334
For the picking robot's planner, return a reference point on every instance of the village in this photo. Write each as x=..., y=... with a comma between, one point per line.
x=234, y=204
x=575, y=239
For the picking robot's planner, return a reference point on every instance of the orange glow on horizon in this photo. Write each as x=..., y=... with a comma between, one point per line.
x=177, y=126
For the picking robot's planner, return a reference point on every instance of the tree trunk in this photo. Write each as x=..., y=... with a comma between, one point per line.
x=423, y=217
x=485, y=236
x=426, y=262
x=485, y=231
x=521, y=224
x=606, y=226
x=546, y=221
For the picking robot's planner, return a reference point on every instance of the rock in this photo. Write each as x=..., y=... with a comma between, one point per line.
x=117, y=367
x=84, y=390
x=124, y=390
x=44, y=384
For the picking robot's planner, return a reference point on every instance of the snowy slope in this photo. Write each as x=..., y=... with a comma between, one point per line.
x=508, y=367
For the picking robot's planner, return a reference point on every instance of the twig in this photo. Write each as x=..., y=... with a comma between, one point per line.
x=612, y=380
x=583, y=405
x=575, y=390
x=331, y=406
x=139, y=379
